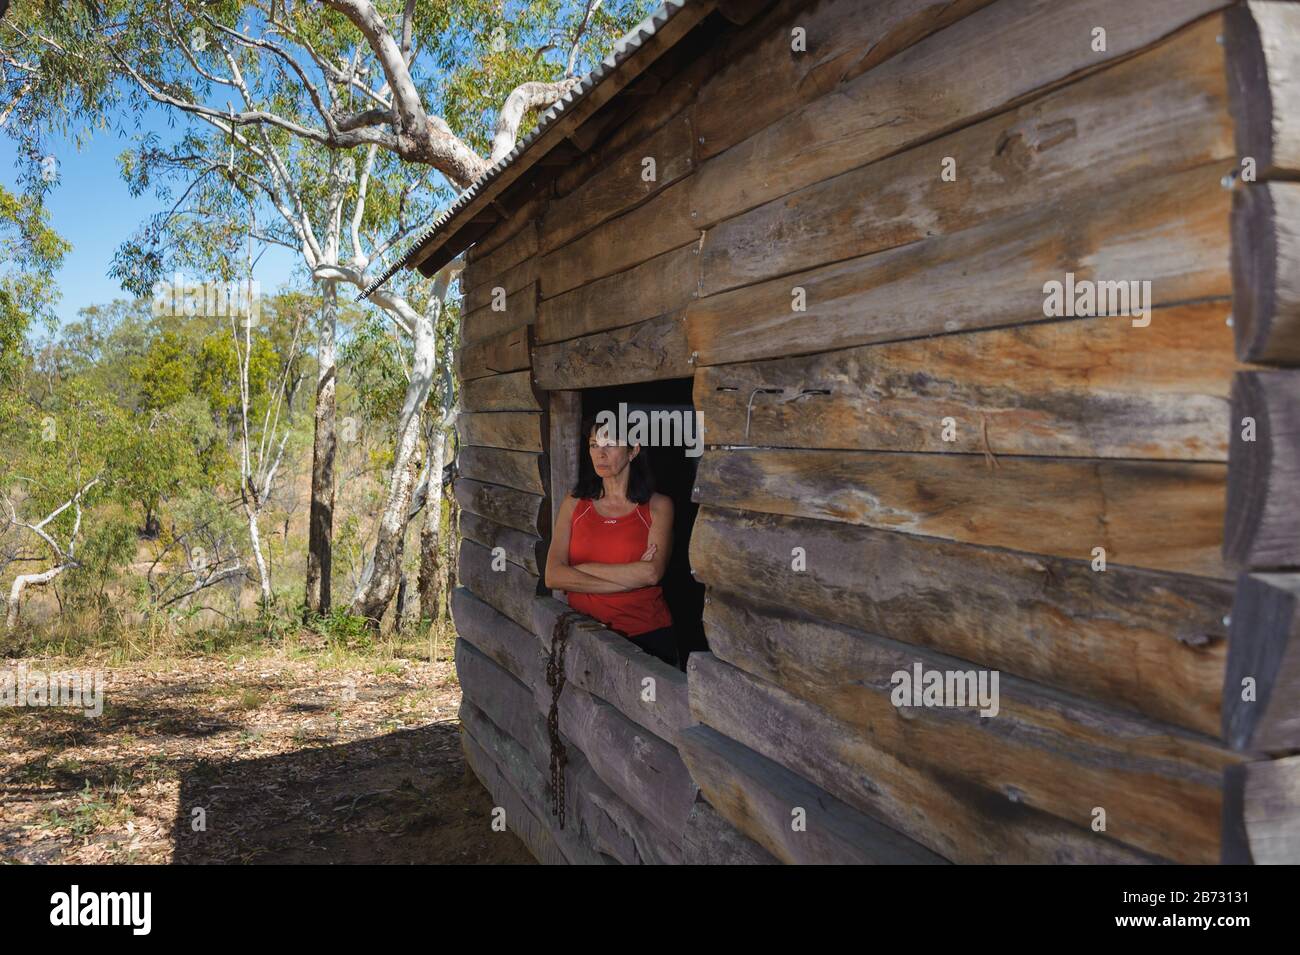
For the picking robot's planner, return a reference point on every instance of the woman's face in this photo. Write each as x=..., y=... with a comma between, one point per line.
x=607, y=457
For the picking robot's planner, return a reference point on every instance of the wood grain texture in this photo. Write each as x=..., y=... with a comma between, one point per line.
x=523, y=245
x=510, y=589
x=523, y=549
x=564, y=421
x=521, y=470
x=1149, y=643
x=760, y=797
x=950, y=79
x=504, y=505
x=711, y=840
x=1264, y=649
x=1265, y=270
x=1049, y=750
x=655, y=287
x=1262, y=40
x=512, y=280
x=621, y=182
x=509, y=430
x=1261, y=818
x=1162, y=112
x=1059, y=507
x=613, y=669
x=844, y=39
x=649, y=351
x=494, y=356
x=509, y=392
x=516, y=309
x=992, y=274
x=1080, y=388
x=941, y=811
x=510, y=646
x=663, y=223
x=1262, y=522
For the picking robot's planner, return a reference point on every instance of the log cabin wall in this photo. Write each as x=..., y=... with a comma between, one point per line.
x=909, y=463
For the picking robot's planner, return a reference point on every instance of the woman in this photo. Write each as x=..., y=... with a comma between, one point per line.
x=613, y=537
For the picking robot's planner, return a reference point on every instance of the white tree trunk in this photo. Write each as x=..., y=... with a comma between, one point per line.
x=21, y=583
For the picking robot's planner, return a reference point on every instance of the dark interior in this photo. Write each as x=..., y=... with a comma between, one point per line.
x=674, y=474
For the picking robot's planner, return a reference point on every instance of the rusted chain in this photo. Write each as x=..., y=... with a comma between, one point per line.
x=555, y=680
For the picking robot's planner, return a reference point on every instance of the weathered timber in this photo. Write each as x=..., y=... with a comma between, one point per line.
x=513, y=280
x=1084, y=388
x=1261, y=813
x=947, y=814
x=511, y=392
x=656, y=287
x=498, y=637
x=621, y=182
x=1265, y=270
x=1049, y=750
x=951, y=79
x=1061, y=507
x=507, y=702
x=523, y=245
x=520, y=817
x=526, y=550
x=613, y=669
x=1264, y=649
x=1159, y=113
x=505, y=505
x=522, y=470
x=765, y=801
x=845, y=39
x=1146, y=642
x=494, y=356
x=516, y=309
x=992, y=274
x=649, y=351
x=712, y=840
x=661, y=224
x=511, y=430
x=510, y=589
x=519, y=768
x=1262, y=40
x=564, y=445
x=1262, y=523
x=642, y=769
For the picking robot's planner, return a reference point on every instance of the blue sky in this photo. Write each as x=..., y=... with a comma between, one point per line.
x=93, y=210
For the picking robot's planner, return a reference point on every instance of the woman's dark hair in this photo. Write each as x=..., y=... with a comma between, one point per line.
x=640, y=479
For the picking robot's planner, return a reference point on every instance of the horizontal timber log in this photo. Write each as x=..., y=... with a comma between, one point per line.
x=622, y=182
x=613, y=669
x=1052, y=751
x=845, y=39
x=1262, y=40
x=521, y=470
x=513, y=280
x=525, y=550
x=1261, y=815
x=712, y=840
x=523, y=245
x=507, y=311
x=494, y=356
x=649, y=351
x=992, y=274
x=1149, y=643
x=511, y=430
x=1061, y=507
x=948, y=80
x=1162, y=112
x=760, y=797
x=510, y=392
x=656, y=287
x=510, y=589
x=504, y=505
x=643, y=770
x=1262, y=524
x=498, y=637
x=1266, y=272
x=1092, y=387
x=507, y=702
x=1264, y=649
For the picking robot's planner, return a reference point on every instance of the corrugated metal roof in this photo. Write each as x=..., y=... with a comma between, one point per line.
x=624, y=48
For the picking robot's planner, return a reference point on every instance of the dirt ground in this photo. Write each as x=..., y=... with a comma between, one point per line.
x=263, y=760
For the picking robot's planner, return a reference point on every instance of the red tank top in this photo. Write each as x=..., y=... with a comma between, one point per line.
x=597, y=539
